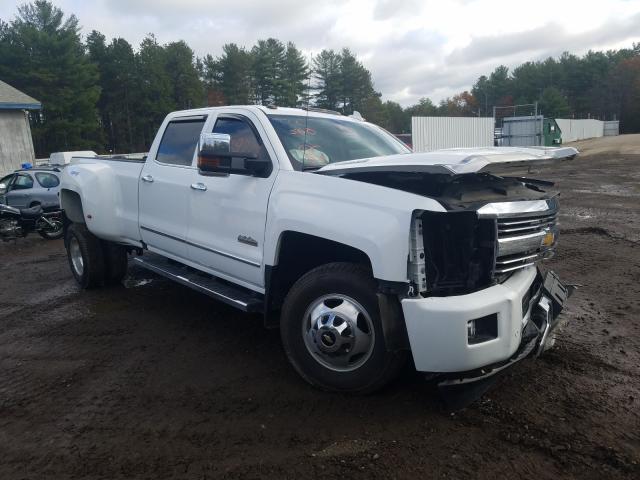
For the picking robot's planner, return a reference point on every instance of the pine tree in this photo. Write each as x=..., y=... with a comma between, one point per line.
x=553, y=104
x=186, y=86
x=327, y=75
x=232, y=74
x=156, y=96
x=295, y=77
x=117, y=68
x=268, y=71
x=356, y=83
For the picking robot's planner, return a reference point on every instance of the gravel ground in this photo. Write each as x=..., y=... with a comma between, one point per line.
x=151, y=380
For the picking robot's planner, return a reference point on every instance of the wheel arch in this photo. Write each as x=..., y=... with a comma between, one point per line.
x=297, y=253
x=71, y=203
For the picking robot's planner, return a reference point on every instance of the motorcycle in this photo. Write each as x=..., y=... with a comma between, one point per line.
x=16, y=223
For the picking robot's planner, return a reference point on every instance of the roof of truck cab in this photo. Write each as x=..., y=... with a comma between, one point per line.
x=300, y=112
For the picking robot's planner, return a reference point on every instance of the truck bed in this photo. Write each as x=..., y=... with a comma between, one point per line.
x=113, y=205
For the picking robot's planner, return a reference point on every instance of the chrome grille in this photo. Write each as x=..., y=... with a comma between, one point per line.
x=525, y=240
x=518, y=226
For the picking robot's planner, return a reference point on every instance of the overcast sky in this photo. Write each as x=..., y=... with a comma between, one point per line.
x=414, y=48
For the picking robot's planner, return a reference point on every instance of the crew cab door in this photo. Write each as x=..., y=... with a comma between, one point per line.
x=228, y=211
x=164, y=192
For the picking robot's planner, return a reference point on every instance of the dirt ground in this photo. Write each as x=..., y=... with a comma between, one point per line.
x=152, y=380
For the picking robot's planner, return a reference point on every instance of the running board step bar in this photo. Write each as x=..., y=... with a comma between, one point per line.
x=238, y=297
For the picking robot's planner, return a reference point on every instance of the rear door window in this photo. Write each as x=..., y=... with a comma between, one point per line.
x=179, y=141
x=47, y=180
x=22, y=182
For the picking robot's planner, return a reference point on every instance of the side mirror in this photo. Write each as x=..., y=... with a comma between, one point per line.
x=215, y=157
x=214, y=153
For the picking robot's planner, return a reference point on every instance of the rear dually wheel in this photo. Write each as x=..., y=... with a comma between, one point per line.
x=85, y=255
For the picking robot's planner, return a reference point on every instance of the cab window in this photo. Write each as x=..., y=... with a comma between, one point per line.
x=243, y=137
x=179, y=141
x=22, y=182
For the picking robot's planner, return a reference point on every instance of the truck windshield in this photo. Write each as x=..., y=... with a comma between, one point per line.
x=330, y=140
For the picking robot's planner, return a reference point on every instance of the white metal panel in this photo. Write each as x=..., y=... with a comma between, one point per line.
x=63, y=158
x=522, y=131
x=342, y=210
x=612, y=128
x=455, y=160
x=437, y=326
x=573, y=130
x=433, y=133
x=109, y=194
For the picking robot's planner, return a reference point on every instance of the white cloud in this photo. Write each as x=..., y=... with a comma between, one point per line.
x=414, y=48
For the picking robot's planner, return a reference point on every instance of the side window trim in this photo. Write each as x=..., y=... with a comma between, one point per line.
x=186, y=118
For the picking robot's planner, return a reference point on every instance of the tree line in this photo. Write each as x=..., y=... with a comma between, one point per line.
x=109, y=96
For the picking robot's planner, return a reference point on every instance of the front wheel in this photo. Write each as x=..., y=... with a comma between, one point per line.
x=332, y=332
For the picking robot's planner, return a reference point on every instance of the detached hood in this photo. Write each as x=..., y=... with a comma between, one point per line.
x=457, y=161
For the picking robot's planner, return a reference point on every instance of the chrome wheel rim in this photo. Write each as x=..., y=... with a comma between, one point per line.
x=338, y=332
x=76, y=256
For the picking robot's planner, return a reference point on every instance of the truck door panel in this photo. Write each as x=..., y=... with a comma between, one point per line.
x=227, y=216
x=164, y=187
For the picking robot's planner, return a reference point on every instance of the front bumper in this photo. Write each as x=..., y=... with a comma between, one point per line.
x=526, y=308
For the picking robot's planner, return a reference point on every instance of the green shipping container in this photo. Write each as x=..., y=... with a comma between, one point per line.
x=551, y=132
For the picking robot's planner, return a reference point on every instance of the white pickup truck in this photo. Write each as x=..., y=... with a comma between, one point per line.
x=360, y=251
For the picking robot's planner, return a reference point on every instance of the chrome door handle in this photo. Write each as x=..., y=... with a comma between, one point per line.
x=199, y=186
x=147, y=178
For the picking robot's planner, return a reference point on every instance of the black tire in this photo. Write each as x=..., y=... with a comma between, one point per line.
x=53, y=234
x=352, y=281
x=91, y=275
x=115, y=263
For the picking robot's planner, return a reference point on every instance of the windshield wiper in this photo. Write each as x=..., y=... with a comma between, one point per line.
x=310, y=167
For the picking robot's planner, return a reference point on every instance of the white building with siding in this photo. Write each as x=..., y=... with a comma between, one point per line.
x=16, y=144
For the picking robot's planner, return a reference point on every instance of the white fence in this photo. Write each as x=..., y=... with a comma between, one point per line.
x=573, y=130
x=433, y=133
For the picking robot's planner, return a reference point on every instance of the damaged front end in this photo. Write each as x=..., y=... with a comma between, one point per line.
x=493, y=227
x=477, y=268
x=538, y=332
x=478, y=299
